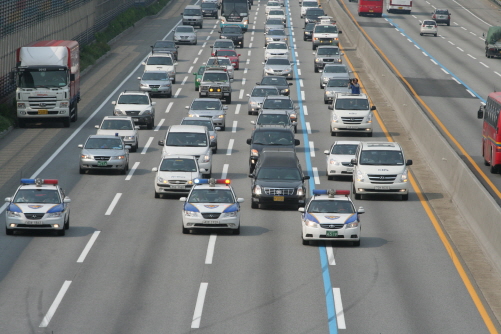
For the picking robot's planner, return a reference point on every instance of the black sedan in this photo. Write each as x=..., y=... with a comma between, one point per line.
x=277, y=81
x=233, y=32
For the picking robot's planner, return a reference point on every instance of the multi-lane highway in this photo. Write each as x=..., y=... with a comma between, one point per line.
x=125, y=266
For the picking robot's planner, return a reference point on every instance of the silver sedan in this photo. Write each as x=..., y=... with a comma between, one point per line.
x=278, y=66
x=257, y=96
x=155, y=82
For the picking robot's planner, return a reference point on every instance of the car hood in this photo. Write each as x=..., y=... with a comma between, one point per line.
x=332, y=218
x=36, y=207
x=227, y=34
x=279, y=183
x=184, y=176
x=155, y=82
x=186, y=150
x=211, y=207
x=103, y=152
x=128, y=107
x=164, y=68
x=382, y=169
x=259, y=147
x=206, y=112
x=326, y=34
x=352, y=113
x=173, y=50
x=341, y=157
x=121, y=133
x=278, y=67
x=338, y=89
x=289, y=111
x=257, y=99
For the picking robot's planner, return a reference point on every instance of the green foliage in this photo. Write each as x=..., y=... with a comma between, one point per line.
x=7, y=116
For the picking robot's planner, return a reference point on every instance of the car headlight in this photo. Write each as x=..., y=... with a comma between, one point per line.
x=192, y=214
x=55, y=215
x=353, y=224
x=171, y=73
x=325, y=79
x=286, y=39
x=360, y=176
x=293, y=116
x=339, y=60
x=117, y=112
x=335, y=118
x=86, y=156
x=257, y=190
x=267, y=69
x=253, y=104
x=199, y=79
x=307, y=32
x=220, y=116
x=224, y=37
x=404, y=176
x=120, y=157
x=144, y=85
x=212, y=137
x=162, y=180
x=12, y=214
x=369, y=118
x=317, y=60
x=165, y=85
x=284, y=91
x=300, y=191
x=254, y=153
x=206, y=158
x=330, y=93
x=229, y=214
x=269, y=38
x=310, y=223
x=129, y=137
x=63, y=104
x=334, y=162
x=146, y=112
x=21, y=105
x=287, y=70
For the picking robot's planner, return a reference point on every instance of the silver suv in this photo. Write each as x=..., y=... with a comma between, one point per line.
x=122, y=126
x=210, y=108
x=137, y=105
x=193, y=16
x=216, y=83
x=326, y=55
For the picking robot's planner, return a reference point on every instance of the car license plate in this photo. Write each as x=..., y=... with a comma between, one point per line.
x=370, y=10
x=102, y=163
x=352, y=127
x=43, y=111
x=331, y=233
x=177, y=186
x=34, y=222
x=278, y=198
x=400, y=7
x=382, y=187
x=211, y=222
x=154, y=89
x=349, y=169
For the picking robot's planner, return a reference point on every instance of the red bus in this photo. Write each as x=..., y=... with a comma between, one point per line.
x=491, y=131
x=370, y=7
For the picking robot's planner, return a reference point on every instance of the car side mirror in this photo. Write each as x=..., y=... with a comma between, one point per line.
x=80, y=146
x=113, y=102
x=253, y=122
x=137, y=127
x=248, y=95
x=373, y=108
x=182, y=199
x=225, y=107
x=231, y=80
x=143, y=63
x=360, y=210
x=128, y=147
x=300, y=209
x=409, y=162
x=154, y=169
x=161, y=143
x=480, y=112
x=96, y=126
x=297, y=142
x=251, y=175
x=239, y=55
x=212, y=46
x=153, y=103
x=313, y=53
x=290, y=83
x=175, y=64
x=306, y=177
x=249, y=141
x=331, y=107
x=326, y=152
x=354, y=161
x=339, y=32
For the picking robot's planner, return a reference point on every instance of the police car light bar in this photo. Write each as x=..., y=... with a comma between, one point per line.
x=330, y=192
x=212, y=181
x=39, y=181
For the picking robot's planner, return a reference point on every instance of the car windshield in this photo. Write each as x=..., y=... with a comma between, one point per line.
x=278, y=138
x=314, y=12
x=268, y=119
x=189, y=139
x=277, y=104
x=335, y=69
x=277, y=46
x=274, y=22
x=226, y=53
x=319, y=206
x=178, y=165
x=262, y=92
x=103, y=143
x=116, y=124
x=278, y=61
x=133, y=99
x=309, y=26
x=37, y=196
x=161, y=76
x=344, y=149
x=208, y=124
x=429, y=23
x=352, y=104
x=277, y=12
x=185, y=29
x=276, y=32
x=220, y=61
x=211, y=196
x=442, y=12
x=215, y=77
x=338, y=82
x=381, y=157
x=274, y=173
x=159, y=61
x=206, y=105
x=326, y=29
x=272, y=4
x=209, y=5
x=201, y=70
x=165, y=44
x=310, y=4
x=328, y=51
x=232, y=30
x=274, y=81
x=192, y=12
x=224, y=45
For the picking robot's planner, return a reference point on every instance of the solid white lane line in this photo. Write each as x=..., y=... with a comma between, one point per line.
x=168, y=107
x=469, y=55
x=224, y=173
x=456, y=80
x=243, y=81
x=55, y=304
x=301, y=84
x=470, y=93
x=443, y=70
x=177, y=92
x=241, y=94
x=211, y=245
x=245, y=70
x=234, y=128
x=159, y=124
x=195, y=60
x=237, y=109
x=303, y=96
x=312, y=149
x=299, y=71
x=483, y=64
x=89, y=245
x=315, y=175
x=113, y=204
x=184, y=80
x=148, y=143
x=200, y=52
x=308, y=128
x=338, y=305
x=197, y=315
x=230, y=146
x=434, y=62
x=305, y=110
x=190, y=69
x=132, y=170
x=330, y=255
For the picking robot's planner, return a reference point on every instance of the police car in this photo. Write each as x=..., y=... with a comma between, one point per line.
x=211, y=204
x=38, y=204
x=331, y=215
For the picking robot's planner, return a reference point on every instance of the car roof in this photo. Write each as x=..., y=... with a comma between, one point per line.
x=178, y=156
x=133, y=92
x=351, y=96
x=206, y=119
x=187, y=128
x=276, y=97
x=103, y=136
x=347, y=142
x=383, y=146
x=205, y=99
x=279, y=159
x=127, y=118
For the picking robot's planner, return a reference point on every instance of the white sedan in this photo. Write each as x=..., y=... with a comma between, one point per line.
x=339, y=158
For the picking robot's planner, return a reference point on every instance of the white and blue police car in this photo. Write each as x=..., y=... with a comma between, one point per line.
x=331, y=215
x=38, y=204
x=211, y=204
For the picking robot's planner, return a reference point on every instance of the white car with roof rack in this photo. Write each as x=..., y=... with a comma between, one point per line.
x=122, y=126
x=137, y=105
x=175, y=174
x=162, y=62
x=38, y=204
x=211, y=204
x=221, y=62
x=331, y=215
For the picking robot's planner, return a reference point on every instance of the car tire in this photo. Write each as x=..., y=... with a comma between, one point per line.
x=295, y=129
x=75, y=114
x=22, y=124
x=304, y=38
x=356, y=243
x=134, y=148
x=369, y=134
x=237, y=231
x=333, y=134
x=157, y=195
x=357, y=196
x=449, y=23
x=436, y=35
x=326, y=101
x=9, y=231
x=321, y=86
x=330, y=177
x=405, y=197
x=67, y=224
x=315, y=69
x=313, y=47
x=126, y=169
x=82, y=171
x=170, y=94
x=254, y=205
x=420, y=34
x=150, y=125
x=228, y=100
x=185, y=230
x=174, y=81
x=305, y=242
x=66, y=121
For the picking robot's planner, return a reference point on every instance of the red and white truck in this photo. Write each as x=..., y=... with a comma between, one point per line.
x=399, y=6
x=47, y=77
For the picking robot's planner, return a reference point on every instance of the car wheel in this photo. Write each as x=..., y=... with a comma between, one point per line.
x=196, y=89
x=9, y=231
x=214, y=150
x=330, y=177
x=449, y=23
x=369, y=134
x=126, y=169
x=67, y=224
x=82, y=171
x=134, y=148
x=405, y=197
x=305, y=242
x=357, y=196
x=237, y=231
x=333, y=134
x=315, y=69
x=420, y=34
x=228, y=100
x=436, y=35
x=66, y=121
x=254, y=205
x=174, y=81
x=150, y=125
x=157, y=195
x=295, y=129
x=326, y=101
x=356, y=243
x=304, y=38
x=185, y=230
x=313, y=47
x=75, y=114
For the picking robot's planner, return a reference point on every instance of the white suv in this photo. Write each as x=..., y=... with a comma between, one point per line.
x=162, y=62
x=137, y=105
x=351, y=113
x=380, y=169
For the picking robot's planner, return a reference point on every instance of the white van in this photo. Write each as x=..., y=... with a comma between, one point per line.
x=190, y=140
x=351, y=113
x=380, y=168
